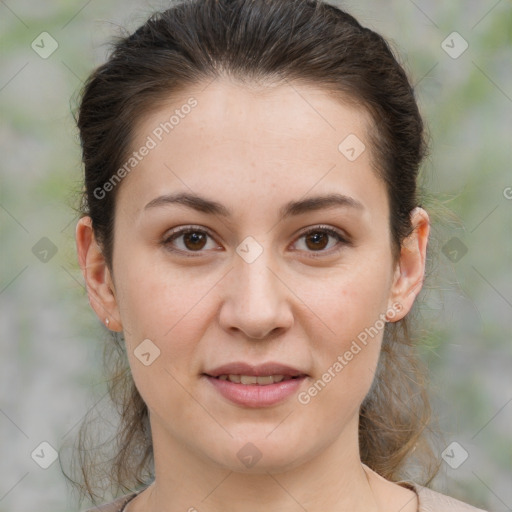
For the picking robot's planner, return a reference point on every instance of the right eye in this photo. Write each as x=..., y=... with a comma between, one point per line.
x=193, y=240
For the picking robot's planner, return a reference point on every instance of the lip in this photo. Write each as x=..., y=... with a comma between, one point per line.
x=262, y=370
x=255, y=395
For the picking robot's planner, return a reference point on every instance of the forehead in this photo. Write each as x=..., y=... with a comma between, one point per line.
x=236, y=141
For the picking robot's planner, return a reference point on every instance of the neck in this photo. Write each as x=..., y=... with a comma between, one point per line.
x=331, y=479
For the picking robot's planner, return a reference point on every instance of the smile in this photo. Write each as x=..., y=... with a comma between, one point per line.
x=253, y=379
x=255, y=391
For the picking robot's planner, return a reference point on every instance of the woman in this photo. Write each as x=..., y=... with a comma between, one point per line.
x=251, y=225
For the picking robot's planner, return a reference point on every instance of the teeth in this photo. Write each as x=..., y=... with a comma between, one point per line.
x=252, y=379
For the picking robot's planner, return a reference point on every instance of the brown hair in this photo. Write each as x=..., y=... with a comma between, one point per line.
x=261, y=41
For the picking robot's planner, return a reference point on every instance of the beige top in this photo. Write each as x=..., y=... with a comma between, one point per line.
x=429, y=501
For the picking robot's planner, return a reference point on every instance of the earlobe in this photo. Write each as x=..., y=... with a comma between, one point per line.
x=99, y=283
x=410, y=270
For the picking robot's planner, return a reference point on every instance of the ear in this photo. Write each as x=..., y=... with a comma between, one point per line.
x=410, y=269
x=99, y=283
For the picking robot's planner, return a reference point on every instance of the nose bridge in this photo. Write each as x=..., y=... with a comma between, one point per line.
x=255, y=280
x=256, y=300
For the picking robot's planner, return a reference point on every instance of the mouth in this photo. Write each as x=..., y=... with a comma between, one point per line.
x=260, y=380
x=241, y=372
x=250, y=385
x=255, y=391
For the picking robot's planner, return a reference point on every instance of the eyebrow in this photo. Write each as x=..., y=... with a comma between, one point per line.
x=292, y=208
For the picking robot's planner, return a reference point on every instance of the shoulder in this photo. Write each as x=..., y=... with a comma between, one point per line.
x=114, y=506
x=433, y=501
x=429, y=501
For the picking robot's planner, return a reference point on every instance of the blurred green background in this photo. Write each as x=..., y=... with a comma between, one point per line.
x=51, y=342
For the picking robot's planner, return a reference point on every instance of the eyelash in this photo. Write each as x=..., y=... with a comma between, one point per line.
x=342, y=240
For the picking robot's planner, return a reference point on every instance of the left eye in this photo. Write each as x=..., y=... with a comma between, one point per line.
x=318, y=238
x=194, y=240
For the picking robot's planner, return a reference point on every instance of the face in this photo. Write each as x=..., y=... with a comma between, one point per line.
x=267, y=270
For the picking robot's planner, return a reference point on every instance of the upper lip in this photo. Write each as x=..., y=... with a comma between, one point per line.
x=262, y=370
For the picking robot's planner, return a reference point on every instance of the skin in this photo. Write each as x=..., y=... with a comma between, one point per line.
x=253, y=149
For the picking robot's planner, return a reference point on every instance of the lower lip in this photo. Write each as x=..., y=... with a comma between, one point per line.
x=255, y=395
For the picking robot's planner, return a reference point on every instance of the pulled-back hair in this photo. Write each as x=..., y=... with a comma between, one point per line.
x=261, y=42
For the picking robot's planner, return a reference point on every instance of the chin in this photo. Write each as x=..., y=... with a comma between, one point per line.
x=258, y=455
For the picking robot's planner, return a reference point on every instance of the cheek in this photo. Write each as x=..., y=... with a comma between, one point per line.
x=170, y=309
x=348, y=301
x=168, y=312
x=156, y=300
x=349, y=327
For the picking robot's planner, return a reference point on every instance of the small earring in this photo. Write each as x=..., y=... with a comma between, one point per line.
x=107, y=322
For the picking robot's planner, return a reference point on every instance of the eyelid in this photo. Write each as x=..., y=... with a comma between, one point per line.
x=184, y=229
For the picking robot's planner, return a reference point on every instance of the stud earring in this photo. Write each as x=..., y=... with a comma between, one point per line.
x=107, y=322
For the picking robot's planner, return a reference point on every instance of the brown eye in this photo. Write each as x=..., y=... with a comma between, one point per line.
x=188, y=240
x=194, y=240
x=317, y=240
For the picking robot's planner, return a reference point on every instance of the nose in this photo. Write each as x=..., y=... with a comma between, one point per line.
x=256, y=302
